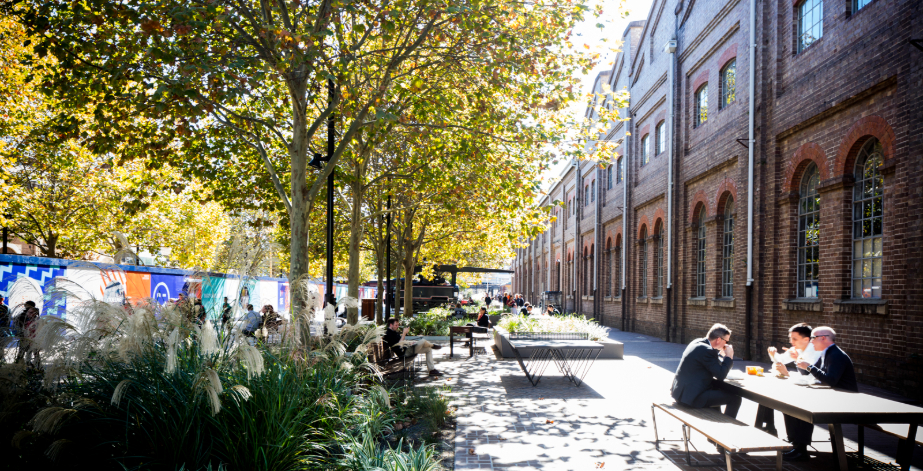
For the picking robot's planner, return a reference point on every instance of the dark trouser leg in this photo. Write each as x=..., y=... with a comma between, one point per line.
x=765, y=418
x=799, y=431
x=715, y=397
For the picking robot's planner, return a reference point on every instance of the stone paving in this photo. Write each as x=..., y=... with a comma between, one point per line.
x=505, y=423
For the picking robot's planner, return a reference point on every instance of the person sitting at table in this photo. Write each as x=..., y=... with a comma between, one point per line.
x=395, y=341
x=799, y=335
x=527, y=310
x=705, y=362
x=833, y=368
x=482, y=321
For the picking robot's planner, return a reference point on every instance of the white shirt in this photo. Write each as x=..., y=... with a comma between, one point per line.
x=810, y=355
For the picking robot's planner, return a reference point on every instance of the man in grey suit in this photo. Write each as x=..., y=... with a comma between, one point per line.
x=705, y=362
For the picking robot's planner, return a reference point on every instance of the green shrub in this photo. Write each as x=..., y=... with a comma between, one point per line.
x=431, y=406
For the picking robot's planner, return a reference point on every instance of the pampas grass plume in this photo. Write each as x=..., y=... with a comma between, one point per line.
x=120, y=391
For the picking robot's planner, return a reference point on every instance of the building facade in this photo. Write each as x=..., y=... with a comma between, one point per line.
x=768, y=175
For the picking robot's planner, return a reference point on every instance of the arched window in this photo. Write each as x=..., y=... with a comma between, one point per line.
x=557, y=276
x=701, y=106
x=591, y=272
x=658, y=239
x=586, y=272
x=727, y=257
x=808, y=234
x=728, y=84
x=618, y=266
x=608, y=261
x=661, y=134
x=593, y=192
x=867, y=218
x=609, y=177
x=586, y=195
x=645, y=149
x=620, y=170
x=700, y=256
x=643, y=262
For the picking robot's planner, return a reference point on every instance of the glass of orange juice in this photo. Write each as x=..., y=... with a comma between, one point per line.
x=751, y=370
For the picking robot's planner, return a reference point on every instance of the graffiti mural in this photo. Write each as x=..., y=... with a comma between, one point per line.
x=56, y=285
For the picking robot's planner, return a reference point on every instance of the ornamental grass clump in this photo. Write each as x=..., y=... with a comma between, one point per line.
x=556, y=324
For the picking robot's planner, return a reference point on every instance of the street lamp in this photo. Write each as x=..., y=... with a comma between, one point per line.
x=329, y=297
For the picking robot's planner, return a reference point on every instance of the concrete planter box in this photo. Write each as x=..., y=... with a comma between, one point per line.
x=612, y=350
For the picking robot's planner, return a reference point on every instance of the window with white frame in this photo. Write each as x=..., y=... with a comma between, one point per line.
x=620, y=170
x=727, y=257
x=810, y=22
x=809, y=235
x=867, y=216
x=859, y=4
x=593, y=192
x=701, y=105
x=661, y=136
x=700, y=256
x=608, y=261
x=609, y=177
x=645, y=149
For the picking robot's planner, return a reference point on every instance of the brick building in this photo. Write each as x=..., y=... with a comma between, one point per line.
x=660, y=242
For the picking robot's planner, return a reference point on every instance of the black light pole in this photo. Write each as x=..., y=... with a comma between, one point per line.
x=388, y=298
x=329, y=297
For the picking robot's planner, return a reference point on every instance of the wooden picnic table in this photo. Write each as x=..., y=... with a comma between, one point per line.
x=823, y=405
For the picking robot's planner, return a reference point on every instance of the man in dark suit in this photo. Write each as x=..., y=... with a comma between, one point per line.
x=705, y=362
x=833, y=368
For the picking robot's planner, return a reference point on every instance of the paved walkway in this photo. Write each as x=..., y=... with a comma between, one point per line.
x=505, y=423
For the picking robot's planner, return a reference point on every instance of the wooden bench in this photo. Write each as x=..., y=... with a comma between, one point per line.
x=465, y=332
x=389, y=364
x=733, y=435
x=900, y=431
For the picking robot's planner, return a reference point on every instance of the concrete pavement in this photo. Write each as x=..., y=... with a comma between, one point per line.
x=506, y=423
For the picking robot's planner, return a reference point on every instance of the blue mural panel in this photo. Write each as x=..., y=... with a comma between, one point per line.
x=166, y=287
x=44, y=275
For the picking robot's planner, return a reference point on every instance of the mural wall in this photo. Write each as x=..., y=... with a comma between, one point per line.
x=53, y=283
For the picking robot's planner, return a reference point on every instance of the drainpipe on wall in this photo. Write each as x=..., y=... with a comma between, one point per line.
x=596, y=313
x=578, y=213
x=625, y=212
x=750, y=145
x=670, y=49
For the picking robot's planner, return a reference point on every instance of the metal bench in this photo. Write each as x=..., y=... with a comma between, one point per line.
x=390, y=365
x=901, y=431
x=733, y=435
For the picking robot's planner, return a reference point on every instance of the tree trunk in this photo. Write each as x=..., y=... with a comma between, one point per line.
x=355, y=238
x=298, y=218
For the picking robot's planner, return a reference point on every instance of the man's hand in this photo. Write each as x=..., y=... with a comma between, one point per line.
x=804, y=365
x=792, y=352
x=781, y=369
x=729, y=351
x=772, y=352
x=406, y=329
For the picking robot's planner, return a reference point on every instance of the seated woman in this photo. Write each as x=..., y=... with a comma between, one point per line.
x=483, y=321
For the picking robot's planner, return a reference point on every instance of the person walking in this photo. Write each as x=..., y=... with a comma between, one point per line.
x=487, y=300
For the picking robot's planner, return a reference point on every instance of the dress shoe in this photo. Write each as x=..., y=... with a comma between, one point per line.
x=437, y=347
x=435, y=373
x=796, y=455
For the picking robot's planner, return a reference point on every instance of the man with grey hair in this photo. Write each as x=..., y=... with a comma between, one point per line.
x=833, y=368
x=706, y=362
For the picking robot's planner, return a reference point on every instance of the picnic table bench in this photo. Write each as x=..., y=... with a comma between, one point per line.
x=902, y=432
x=464, y=332
x=818, y=404
x=733, y=435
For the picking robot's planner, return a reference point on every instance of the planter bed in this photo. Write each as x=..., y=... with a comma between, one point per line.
x=612, y=350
